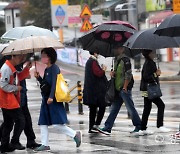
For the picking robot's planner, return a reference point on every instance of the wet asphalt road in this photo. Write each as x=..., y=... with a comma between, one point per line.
x=120, y=141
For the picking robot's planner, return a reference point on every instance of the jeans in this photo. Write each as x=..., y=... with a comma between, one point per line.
x=115, y=107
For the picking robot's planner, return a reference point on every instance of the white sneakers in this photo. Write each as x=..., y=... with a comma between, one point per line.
x=163, y=130
x=145, y=132
x=158, y=130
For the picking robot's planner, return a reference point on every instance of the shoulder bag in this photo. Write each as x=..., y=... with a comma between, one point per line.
x=153, y=90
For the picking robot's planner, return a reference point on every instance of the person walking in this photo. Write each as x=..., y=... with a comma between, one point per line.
x=52, y=112
x=150, y=74
x=95, y=85
x=10, y=103
x=28, y=129
x=123, y=85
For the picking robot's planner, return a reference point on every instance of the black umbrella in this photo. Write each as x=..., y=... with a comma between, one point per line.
x=146, y=39
x=105, y=36
x=170, y=26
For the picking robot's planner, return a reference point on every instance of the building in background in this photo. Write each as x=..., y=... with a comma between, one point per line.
x=12, y=14
x=2, y=6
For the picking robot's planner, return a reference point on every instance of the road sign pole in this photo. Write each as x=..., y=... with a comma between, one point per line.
x=75, y=41
x=61, y=38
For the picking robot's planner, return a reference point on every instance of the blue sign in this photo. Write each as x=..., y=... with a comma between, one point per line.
x=60, y=14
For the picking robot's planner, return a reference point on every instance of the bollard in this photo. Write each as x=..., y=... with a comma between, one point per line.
x=79, y=90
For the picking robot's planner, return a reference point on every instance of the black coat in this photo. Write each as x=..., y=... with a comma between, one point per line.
x=147, y=74
x=94, y=87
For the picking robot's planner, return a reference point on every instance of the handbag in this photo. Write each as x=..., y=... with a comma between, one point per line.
x=153, y=90
x=45, y=87
x=62, y=93
x=110, y=93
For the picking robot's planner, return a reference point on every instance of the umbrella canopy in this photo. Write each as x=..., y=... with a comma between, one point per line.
x=105, y=36
x=2, y=46
x=170, y=26
x=26, y=31
x=31, y=44
x=146, y=39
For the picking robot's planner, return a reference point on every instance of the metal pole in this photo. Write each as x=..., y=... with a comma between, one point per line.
x=80, y=106
x=75, y=42
x=13, y=24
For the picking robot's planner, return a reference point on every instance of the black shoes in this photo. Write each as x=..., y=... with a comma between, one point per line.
x=93, y=131
x=18, y=146
x=10, y=148
x=32, y=145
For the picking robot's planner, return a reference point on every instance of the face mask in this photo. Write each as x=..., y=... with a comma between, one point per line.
x=45, y=60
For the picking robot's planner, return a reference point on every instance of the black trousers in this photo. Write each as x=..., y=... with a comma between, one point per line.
x=28, y=129
x=96, y=115
x=147, y=109
x=11, y=117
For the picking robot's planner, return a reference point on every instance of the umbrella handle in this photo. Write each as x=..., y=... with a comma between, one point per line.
x=112, y=65
x=158, y=61
x=36, y=71
x=35, y=67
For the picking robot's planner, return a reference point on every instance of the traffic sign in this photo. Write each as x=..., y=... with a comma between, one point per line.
x=86, y=12
x=73, y=16
x=60, y=15
x=176, y=6
x=86, y=26
x=59, y=2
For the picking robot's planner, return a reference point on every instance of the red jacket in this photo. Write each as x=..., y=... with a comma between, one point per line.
x=10, y=100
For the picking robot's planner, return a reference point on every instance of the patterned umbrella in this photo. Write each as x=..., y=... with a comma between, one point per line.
x=105, y=36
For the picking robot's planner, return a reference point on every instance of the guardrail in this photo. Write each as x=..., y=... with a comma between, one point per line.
x=78, y=96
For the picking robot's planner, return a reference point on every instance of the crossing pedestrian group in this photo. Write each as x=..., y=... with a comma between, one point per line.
x=16, y=115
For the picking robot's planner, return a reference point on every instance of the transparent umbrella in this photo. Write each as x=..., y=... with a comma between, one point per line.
x=26, y=31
